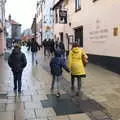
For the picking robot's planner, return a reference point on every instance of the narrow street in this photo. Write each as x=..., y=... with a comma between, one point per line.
x=100, y=99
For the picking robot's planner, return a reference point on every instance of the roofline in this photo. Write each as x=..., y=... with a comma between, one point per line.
x=57, y=4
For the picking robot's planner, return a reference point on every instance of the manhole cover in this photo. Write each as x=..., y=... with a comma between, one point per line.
x=3, y=95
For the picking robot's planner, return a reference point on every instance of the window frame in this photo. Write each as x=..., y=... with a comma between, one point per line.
x=77, y=5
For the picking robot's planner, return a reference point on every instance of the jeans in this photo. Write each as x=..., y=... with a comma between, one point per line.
x=17, y=80
x=57, y=79
x=79, y=84
x=34, y=57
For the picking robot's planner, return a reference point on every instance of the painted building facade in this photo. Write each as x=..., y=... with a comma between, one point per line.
x=95, y=25
x=45, y=19
x=2, y=26
x=8, y=32
x=39, y=21
x=16, y=31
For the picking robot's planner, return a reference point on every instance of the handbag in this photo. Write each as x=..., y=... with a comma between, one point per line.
x=84, y=60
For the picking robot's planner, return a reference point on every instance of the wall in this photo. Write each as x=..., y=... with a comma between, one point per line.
x=1, y=44
x=98, y=20
x=48, y=19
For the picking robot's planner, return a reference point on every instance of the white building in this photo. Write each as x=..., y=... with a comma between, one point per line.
x=44, y=19
x=39, y=21
x=2, y=26
x=95, y=25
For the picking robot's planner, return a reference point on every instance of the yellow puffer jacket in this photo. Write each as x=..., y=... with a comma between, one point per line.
x=75, y=61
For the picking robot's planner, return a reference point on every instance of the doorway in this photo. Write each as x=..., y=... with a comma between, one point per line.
x=61, y=36
x=79, y=35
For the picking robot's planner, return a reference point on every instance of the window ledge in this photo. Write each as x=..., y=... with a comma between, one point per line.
x=76, y=10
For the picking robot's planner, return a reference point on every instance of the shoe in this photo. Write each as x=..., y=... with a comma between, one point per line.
x=58, y=94
x=36, y=62
x=15, y=90
x=19, y=91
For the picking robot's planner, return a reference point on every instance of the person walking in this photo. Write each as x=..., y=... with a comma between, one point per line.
x=52, y=48
x=45, y=46
x=56, y=65
x=62, y=47
x=17, y=62
x=76, y=66
x=28, y=44
x=34, y=50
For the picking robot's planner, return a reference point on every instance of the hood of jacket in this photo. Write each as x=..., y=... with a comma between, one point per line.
x=76, y=50
x=16, y=51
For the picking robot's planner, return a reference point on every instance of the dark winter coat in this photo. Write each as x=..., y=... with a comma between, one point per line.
x=17, y=61
x=34, y=46
x=56, y=65
x=62, y=46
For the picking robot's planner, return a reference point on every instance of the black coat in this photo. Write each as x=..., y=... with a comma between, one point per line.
x=17, y=61
x=57, y=63
x=34, y=46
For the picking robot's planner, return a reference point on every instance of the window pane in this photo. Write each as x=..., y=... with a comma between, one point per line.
x=77, y=4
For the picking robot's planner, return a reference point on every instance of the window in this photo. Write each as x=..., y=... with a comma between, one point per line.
x=63, y=16
x=77, y=5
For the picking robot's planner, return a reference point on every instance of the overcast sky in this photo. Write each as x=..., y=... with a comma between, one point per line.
x=22, y=11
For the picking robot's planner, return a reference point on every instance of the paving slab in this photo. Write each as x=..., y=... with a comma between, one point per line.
x=79, y=117
x=7, y=115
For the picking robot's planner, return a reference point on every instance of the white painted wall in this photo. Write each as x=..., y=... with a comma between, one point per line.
x=97, y=16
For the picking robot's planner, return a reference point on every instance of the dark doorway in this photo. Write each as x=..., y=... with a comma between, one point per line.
x=79, y=35
x=61, y=36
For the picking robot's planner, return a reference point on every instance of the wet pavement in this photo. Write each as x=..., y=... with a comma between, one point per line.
x=99, y=98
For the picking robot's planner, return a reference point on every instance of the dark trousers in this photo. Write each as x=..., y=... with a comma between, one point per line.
x=45, y=50
x=79, y=84
x=17, y=80
x=57, y=79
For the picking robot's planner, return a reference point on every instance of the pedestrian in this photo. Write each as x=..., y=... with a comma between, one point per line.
x=34, y=49
x=56, y=65
x=76, y=66
x=17, y=62
x=52, y=49
x=28, y=44
x=48, y=46
x=45, y=46
x=56, y=43
x=62, y=47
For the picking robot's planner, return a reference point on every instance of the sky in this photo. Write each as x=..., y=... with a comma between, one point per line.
x=22, y=11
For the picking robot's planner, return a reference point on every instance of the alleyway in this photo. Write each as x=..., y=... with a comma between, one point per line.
x=100, y=98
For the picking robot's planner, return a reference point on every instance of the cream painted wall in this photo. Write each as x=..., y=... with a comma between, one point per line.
x=103, y=14
x=1, y=44
x=98, y=16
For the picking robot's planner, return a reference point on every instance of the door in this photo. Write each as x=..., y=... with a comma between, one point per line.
x=61, y=36
x=79, y=36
